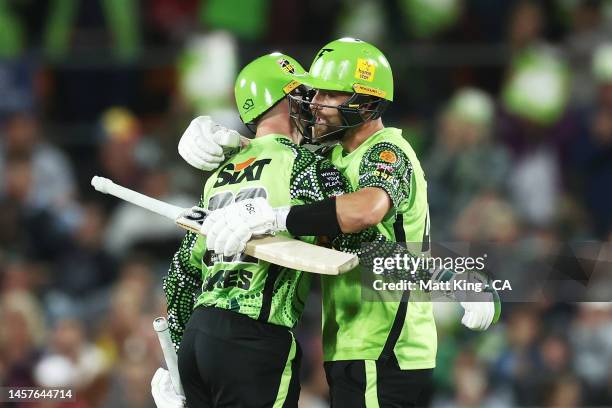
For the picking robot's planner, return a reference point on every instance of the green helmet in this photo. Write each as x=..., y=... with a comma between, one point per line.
x=351, y=65
x=472, y=105
x=538, y=87
x=264, y=82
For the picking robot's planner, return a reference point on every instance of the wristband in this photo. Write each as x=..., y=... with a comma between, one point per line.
x=314, y=219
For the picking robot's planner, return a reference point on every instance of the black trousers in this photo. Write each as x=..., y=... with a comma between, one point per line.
x=227, y=359
x=377, y=383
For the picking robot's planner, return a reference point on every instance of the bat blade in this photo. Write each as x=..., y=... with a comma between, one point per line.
x=284, y=251
x=279, y=250
x=296, y=254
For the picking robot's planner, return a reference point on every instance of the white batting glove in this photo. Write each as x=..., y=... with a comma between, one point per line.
x=163, y=391
x=481, y=309
x=478, y=315
x=228, y=229
x=205, y=143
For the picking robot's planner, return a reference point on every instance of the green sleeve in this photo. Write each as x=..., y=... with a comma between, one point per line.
x=385, y=165
x=314, y=178
x=182, y=284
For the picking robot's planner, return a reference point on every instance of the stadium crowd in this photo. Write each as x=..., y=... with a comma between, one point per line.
x=509, y=107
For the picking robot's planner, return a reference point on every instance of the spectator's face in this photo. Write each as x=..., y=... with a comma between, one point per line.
x=526, y=24
x=91, y=229
x=555, y=353
x=16, y=329
x=18, y=180
x=68, y=338
x=118, y=160
x=523, y=329
x=156, y=184
x=457, y=134
x=21, y=134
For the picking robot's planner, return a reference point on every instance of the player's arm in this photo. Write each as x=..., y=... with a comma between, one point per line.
x=315, y=184
x=181, y=285
x=362, y=209
x=385, y=174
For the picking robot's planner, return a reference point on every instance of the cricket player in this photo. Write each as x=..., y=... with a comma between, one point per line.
x=237, y=349
x=377, y=353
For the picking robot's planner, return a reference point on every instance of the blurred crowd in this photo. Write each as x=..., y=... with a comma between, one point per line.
x=508, y=105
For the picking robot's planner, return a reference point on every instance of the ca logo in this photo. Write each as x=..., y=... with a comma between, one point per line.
x=248, y=104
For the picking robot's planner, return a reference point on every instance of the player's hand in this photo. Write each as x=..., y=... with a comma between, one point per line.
x=481, y=308
x=163, y=391
x=478, y=315
x=205, y=143
x=228, y=229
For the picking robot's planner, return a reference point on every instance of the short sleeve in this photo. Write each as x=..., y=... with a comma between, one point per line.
x=386, y=165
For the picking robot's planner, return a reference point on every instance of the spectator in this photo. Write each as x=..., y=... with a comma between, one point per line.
x=28, y=229
x=465, y=161
x=21, y=338
x=53, y=185
x=591, y=337
x=592, y=151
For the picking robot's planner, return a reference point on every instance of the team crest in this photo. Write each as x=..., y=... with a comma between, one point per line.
x=388, y=156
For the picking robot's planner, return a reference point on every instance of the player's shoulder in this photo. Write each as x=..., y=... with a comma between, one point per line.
x=303, y=156
x=389, y=147
x=390, y=136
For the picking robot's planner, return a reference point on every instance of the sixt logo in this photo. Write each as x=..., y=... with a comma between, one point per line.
x=248, y=105
x=248, y=170
x=286, y=66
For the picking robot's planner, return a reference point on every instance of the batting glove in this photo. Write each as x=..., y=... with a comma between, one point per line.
x=481, y=308
x=163, y=391
x=228, y=229
x=205, y=143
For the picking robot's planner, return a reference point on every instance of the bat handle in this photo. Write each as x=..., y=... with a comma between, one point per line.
x=160, y=325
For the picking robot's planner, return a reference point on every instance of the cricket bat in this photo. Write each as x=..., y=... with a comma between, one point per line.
x=160, y=325
x=280, y=250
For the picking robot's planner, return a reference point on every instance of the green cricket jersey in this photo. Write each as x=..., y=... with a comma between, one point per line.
x=285, y=174
x=357, y=329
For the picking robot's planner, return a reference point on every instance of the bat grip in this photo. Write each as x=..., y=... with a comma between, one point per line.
x=160, y=325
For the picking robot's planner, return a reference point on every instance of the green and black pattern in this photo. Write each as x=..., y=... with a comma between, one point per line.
x=385, y=165
x=182, y=286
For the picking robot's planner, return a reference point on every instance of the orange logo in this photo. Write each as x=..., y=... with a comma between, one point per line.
x=388, y=156
x=241, y=166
